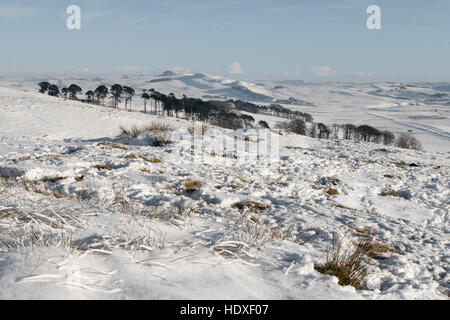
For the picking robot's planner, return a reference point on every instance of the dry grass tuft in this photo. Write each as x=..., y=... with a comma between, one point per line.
x=404, y=165
x=154, y=128
x=251, y=206
x=53, y=179
x=332, y=192
x=192, y=185
x=348, y=265
x=377, y=250
x=160, y=140
x=184, y=209
x=387, y=192
x=160, y=133
x=341, y=206
x=101, y=167
x=112, y=145
x=329, y=180
x=80, y=178
x=232, y=186
x=345, y=207
x=41, y=188
x=243, y=180
x=249, y=227
x=152, y=160
x=392, y=176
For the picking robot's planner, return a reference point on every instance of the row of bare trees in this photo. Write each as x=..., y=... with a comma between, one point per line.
x=364, y=133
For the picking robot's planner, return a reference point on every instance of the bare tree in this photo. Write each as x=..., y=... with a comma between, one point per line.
x=407, y=141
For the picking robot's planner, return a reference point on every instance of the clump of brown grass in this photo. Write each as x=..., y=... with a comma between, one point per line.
x=191, y=185
x=160, y=133
x=101, y=167
x=154, y=160
x=53, y=179
x=348, y=265
x=232, y=186
x=41, y=188
x=345, y=207
x=387, y=192
x=243, y=180
x=184, y=209
x=341, y=206
x=392, y=176
x=154, y=128
x=112, y=145
x=332, y=180
x=151, y=160
x=160, y=140
x=134, y=132
x=403, y=164
x=251, y=206
x=80, y=178
x=332, y=192
x=376, y=250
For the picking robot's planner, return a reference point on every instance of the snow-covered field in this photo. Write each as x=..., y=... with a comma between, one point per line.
x=87, y=214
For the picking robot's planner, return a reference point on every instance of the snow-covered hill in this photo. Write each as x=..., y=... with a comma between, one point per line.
x=87, y=214
x=423, y=109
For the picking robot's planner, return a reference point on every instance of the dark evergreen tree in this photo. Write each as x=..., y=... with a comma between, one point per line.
x=324, y=132
x=53, y=90
x=297, y=126
x=44, y=86
x=129, y=93
x=263, y=124
x=64, y=92
x=146, y=97
x=368, y=133
x=248, y=120
x=116, y=94
x=349, y=131
x=90, y=95
x=101, y=93
x=74, y=90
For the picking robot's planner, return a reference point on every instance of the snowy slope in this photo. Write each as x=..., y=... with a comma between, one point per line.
x=422, y=108
x=129, y=230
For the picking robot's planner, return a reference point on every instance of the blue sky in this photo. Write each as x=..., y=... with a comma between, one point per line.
x=317, y=40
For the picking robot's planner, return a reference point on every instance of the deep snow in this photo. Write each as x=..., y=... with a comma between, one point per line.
x=116, y=233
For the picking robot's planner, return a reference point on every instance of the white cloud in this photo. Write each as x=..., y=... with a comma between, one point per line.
x=84, y=70
x=322, y=71
x=235, y=68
